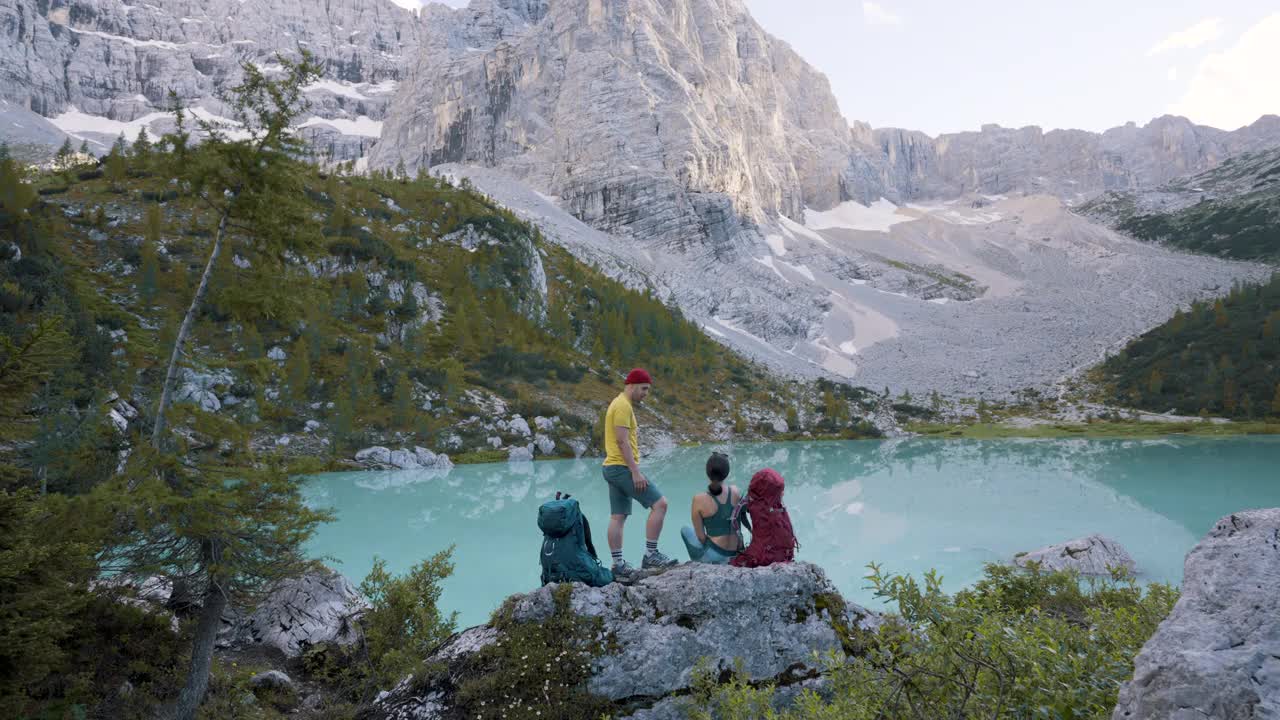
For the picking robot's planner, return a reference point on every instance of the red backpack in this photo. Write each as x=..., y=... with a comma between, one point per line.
x=772, y=539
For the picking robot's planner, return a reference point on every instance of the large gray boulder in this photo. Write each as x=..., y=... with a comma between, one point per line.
x=1093, y=555
x=772, y=619
x=319, y=607
x=1217, y=655
x=375, y=457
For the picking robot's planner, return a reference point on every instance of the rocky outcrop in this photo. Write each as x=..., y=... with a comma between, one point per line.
x=319, y=607
x=419, y=458
x=1217, y=655
x=773, y=619
x=1094, y=555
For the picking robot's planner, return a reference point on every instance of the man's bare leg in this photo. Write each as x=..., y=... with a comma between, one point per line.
x=657, y=515
x=615, y=531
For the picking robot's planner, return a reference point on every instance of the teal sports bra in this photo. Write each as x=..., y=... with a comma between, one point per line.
x=720, y=523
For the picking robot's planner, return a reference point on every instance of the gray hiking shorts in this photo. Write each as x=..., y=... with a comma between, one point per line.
x=622, y=491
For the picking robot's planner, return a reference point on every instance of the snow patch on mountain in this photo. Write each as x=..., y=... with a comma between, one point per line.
x=879, y=216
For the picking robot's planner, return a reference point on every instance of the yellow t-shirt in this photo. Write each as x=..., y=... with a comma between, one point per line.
x=620, y=414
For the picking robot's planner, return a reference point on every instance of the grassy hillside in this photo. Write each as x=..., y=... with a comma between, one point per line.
x=420, y=315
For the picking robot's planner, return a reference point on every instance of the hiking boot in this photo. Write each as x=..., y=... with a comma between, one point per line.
x=623, y=569
x=656, y=559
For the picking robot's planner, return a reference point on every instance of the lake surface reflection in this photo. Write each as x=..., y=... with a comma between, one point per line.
x=909, y=505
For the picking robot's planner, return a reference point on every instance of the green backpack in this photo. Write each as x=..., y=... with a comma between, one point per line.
x=568, y=555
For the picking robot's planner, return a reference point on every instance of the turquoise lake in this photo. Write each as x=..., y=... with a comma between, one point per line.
x=909, y=505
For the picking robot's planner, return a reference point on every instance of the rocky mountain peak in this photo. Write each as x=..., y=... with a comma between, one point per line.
x=663, y=120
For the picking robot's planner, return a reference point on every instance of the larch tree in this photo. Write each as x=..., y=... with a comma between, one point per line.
x=223, y=529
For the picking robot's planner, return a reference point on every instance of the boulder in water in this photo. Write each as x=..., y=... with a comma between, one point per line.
x=376, y=456
x=431, y=460
x=1217, y=655
x=1093, y=555
x=545, y=445
x=403, y=460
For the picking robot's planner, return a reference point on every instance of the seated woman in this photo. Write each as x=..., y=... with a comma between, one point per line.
x=713, y=539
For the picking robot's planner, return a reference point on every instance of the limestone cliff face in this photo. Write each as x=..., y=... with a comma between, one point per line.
x=686, y=122
x=1071, y=164
x=109, y=63
x=682, y=122
x=670, y=120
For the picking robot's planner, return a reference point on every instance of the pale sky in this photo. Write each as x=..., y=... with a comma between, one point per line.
x=946, y=66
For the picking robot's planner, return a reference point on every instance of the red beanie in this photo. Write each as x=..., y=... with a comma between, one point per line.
x=638, y=376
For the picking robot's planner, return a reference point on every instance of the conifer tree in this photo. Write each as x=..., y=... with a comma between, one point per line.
x=226, y=539
x=342, y=421
x=1220, y=318
x=1275, y=402
x=116, y=169
x=831, y=409
x=299, y=371
x=142, y=144
x=142, y=151
x=42, y=582
x=1229, y=395
x=84, y=148
x=64, y=154
x=27, y=362
x=453, y=377
x=5, y=153
x=254, y=348
x=251, y=184
x=793, y=419
x=984, y=410
x=149, y=273
x=402, y=401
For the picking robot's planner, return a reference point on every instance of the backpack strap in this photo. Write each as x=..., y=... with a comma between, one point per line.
x=586, y=533
x=740, y=518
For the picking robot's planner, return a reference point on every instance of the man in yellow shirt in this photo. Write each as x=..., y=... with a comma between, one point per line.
x=626, y=482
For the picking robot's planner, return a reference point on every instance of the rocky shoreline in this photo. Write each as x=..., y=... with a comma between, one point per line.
x=1216, y=655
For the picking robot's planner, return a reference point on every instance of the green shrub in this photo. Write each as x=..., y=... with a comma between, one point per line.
x=404, y=623
x=538, y=670
x=1019, y=644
